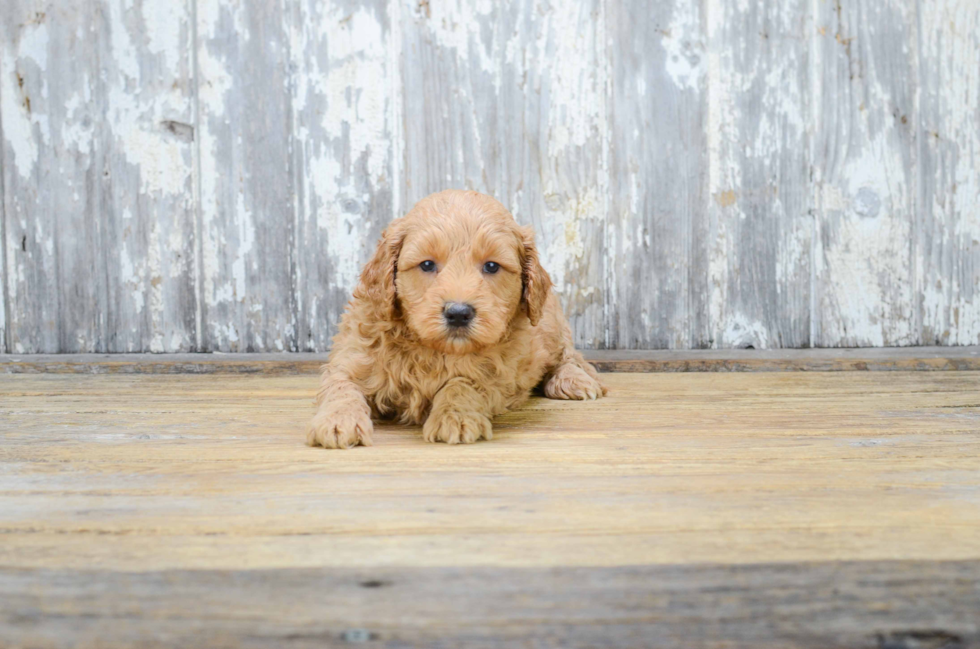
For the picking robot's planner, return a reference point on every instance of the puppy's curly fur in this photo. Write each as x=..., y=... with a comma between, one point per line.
x=397, y=356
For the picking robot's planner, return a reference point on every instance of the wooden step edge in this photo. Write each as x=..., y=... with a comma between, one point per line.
x=736, y=360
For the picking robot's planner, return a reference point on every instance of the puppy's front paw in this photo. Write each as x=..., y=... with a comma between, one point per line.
x=453, y=427
x=332, y=429
x=572, y=382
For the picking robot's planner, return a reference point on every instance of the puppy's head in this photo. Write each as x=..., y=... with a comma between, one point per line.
x=458, y=270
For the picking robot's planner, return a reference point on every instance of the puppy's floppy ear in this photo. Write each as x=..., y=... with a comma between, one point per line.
x=377, y=284
x=537, y=283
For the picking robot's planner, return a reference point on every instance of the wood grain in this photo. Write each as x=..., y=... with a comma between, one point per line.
x=759, y=263
x=736, y=360
x=772, y=509
x=99, y=209
x=210, y=175
x=865, y=172
x=53, y=176
x=167, y=472
x=949, y=143
x=148, y=209
x=342, y=151
x=873, y=605
x=657, y=227
x=247, y=271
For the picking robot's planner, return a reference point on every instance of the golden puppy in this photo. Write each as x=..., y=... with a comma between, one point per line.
x=453, y=322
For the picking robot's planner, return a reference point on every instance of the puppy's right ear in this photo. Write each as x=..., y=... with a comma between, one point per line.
x=537, y=283
x=377, y=284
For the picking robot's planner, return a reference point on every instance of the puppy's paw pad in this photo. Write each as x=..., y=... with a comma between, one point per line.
x=339, y=430
x=454, y=427
x=572, y=382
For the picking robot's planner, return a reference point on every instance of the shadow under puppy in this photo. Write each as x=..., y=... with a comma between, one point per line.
x=453, y=322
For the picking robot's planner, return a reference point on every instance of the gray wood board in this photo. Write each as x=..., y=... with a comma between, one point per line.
x=188, y=176
x=875, y=604
x=733, y=360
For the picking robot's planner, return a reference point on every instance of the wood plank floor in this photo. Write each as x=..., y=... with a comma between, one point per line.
x=713, y=509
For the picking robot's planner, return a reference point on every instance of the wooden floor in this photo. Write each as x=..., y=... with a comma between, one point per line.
x=706, y=510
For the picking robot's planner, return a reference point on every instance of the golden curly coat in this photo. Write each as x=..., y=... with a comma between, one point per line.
x=402, y=353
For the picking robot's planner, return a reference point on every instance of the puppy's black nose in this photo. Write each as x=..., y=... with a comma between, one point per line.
x=458, y=314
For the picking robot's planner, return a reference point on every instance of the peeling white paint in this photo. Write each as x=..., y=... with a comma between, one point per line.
x=21, y=64
x=546, y=70
x=346, y=75
x=685, y=63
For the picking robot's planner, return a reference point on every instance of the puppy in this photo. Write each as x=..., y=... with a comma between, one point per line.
x=453, y=322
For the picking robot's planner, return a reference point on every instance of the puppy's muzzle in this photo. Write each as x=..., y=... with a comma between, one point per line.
x=458, y=315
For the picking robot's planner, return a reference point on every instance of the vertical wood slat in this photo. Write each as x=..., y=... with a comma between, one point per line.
x=657, y=243
x=549, y=138
x=758, y=180
x=247, y=211
x=949, y=208
x=4, y=269
x=53, y=175
x=97, y=173
x=146, y=62
x=864, y=168
x=341, y=151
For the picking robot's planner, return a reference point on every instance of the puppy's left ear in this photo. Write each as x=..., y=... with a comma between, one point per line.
x=537, y=283
x=377, y=284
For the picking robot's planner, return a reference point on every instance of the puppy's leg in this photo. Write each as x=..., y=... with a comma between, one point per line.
x=343, y=418
x=460, y=414
x=573, y=378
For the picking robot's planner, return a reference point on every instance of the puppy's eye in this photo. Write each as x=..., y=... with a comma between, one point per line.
x=428, y=266
x=491, y=267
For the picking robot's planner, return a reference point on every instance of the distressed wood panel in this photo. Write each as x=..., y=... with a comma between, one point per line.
x=949, y=212
x=342, y=152
x=4, y=269
x=511, y=100
x=98, y=169
x=758, y=182
x=888, y=359
x=867, y=604
x=550, y=140
x=211, y=175
x=864, y=171
x=54, y=168
x=146, y=67
x=145, y=473
x=248, y=219
x=657, y=229
x=700, y=510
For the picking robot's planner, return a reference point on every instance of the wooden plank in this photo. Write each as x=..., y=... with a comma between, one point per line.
x=53, y=163
x=99, y=150
x=758, y=176
x=807, y=509
x=511, y=101
x=446, y=82
x=656, y=270
x=735, y=360
x=549, y=146
x=865, y=173
x=153, y=473
x=342, y=152
x=949, y=147
x=248, y=217
x=148, y=209
x=886, y=604
x=4, y=269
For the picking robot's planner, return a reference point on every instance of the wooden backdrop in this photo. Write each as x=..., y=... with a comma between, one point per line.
x=211, y=174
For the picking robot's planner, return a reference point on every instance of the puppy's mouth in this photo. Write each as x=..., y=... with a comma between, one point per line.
x=458, y=333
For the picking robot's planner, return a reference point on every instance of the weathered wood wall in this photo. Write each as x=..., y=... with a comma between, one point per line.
x=183, y=175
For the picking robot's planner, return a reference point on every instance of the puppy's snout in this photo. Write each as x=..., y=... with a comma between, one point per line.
x=458, y=314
